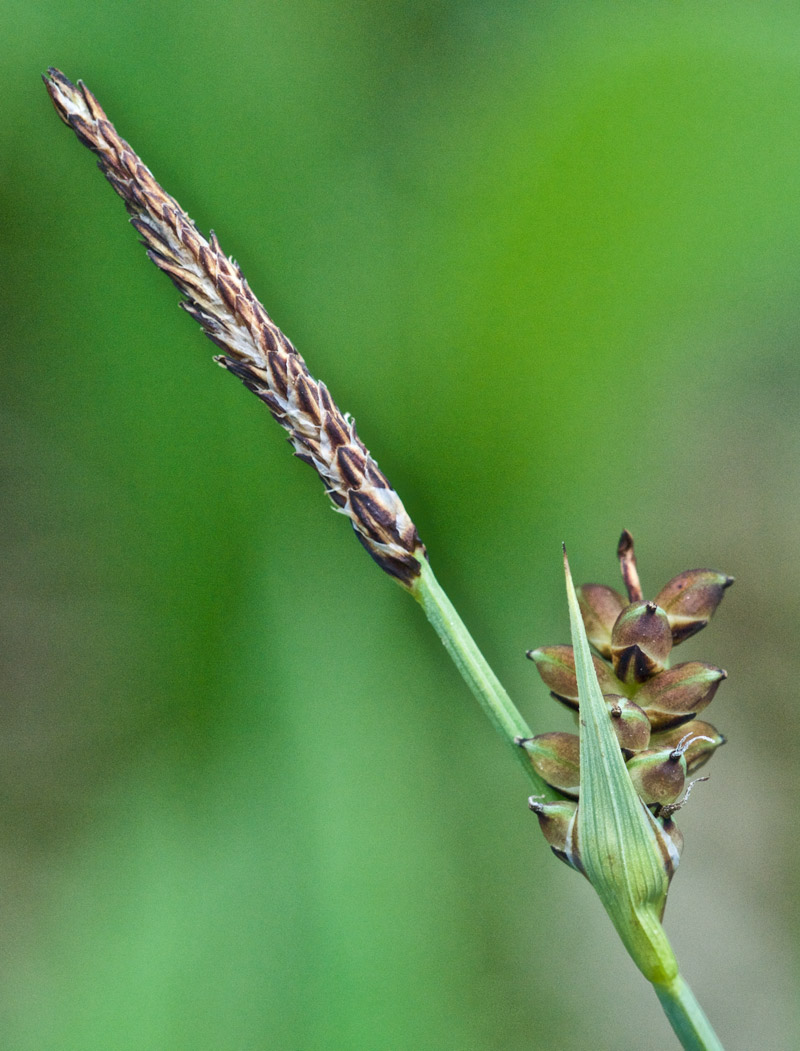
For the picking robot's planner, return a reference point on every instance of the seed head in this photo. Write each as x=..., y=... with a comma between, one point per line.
x=218, y=297
x=639, y=740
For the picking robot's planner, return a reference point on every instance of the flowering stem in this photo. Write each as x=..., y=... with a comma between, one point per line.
x=686, y=1016
x=217, y=296
x=480, y=678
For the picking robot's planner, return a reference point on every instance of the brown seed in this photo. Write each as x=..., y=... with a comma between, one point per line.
x=677, y=694
x=630, y=723
x=556, y=665
x=600, y=607
x=556, y=759
x=558, y=822
x=704, y=740
x=689, y=600
x=658, y=774
x=641, y=641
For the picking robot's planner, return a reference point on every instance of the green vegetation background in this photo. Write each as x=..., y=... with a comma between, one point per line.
x=549, y=257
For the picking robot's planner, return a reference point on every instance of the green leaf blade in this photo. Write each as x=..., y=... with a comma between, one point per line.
x=617, y=835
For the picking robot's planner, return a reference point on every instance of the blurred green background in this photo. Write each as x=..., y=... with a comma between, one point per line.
x=549, y=257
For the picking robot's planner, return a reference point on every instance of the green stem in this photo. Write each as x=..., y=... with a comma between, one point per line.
x=687, y=1017
x=473, y=666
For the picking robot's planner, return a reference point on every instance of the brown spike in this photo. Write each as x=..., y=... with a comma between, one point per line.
x=254, y=348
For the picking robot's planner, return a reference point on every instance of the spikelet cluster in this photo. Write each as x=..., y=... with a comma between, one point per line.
x=218, y=297
x=653, y=707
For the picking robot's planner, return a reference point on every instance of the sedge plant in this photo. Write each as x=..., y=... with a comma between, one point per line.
x=605, y=797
